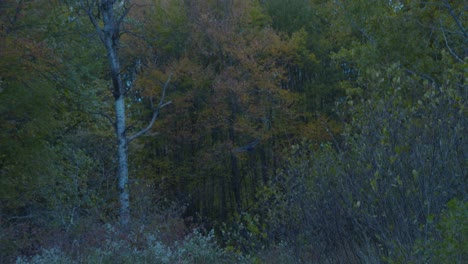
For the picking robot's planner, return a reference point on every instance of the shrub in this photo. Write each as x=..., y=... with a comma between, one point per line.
x=449, y=242
x=380, y=191
x=51, y=256
x=195, y=248
x=452, y=247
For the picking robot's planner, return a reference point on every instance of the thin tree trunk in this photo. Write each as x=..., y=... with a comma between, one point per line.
x=235, y=174
x=110, y=36
x=223, y=203
x=122, y=154
x=235, y=182
x=109, y=33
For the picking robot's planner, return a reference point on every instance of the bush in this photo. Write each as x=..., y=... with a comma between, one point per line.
x=51, y=256
x=452, y=247
x=449, y=242
x=401, y=160
x=195, y=248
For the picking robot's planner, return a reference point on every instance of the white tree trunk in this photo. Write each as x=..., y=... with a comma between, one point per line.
x=110, y=36
x=122, y=154
x=109, y=33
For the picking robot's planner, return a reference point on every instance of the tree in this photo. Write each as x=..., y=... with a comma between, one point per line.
x=113, y=14
x=229, y=78
x=26, y=116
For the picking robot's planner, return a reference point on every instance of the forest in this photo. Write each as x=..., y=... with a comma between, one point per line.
x=233, y=131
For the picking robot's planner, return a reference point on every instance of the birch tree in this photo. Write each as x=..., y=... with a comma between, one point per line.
x=108, y=17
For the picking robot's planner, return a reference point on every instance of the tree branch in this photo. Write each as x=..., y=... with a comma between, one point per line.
x=447, y=44
x=249, y=147
x=106, y=116
x=92, y=18
x=125, y=13
x=161, y=104
x=421, y=75
x=19, y=217
x=457, y=21
x=327, y=128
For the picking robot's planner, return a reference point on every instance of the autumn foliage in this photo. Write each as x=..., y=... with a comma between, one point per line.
x=294, y=132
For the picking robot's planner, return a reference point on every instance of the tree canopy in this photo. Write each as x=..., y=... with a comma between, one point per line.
x=261, y=131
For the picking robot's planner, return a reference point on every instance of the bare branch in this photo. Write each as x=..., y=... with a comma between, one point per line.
x=87, y=8
x=155, y=113
x=19, y=217
x=125, y=13
x=330, y=133
x=249, y=147
x=457, y=21
x=448, y=46
x=106, y=116
x=421, y=75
